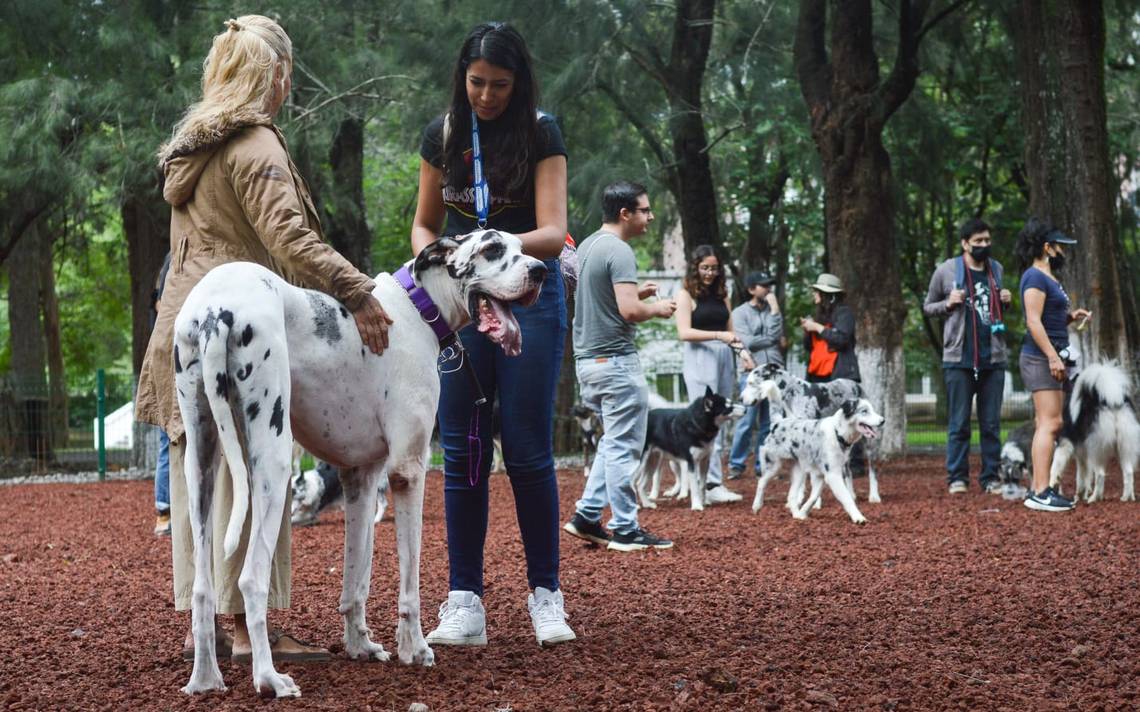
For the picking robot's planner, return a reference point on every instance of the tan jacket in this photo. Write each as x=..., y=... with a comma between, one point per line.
x=235, y=196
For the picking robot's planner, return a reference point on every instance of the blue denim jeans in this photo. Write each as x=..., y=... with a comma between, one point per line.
x=961, y=389
x=756, y=419
x=617, y=389
x=162, y=474
x=524, y=386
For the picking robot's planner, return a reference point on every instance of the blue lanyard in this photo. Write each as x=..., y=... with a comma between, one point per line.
x=482, y=190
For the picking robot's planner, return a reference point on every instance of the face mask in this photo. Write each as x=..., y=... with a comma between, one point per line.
x=980, y=253
x=1057, y=262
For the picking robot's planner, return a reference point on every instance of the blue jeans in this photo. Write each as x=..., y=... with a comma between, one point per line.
x=961, y=389
x=617, y=389
x=162, y=474
x=526, y=384
x=756, y=417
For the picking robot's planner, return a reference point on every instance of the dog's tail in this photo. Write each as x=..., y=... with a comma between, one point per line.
x=215, y=352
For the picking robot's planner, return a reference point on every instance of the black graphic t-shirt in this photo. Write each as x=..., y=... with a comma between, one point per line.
x=979, y=302
x=510, y=212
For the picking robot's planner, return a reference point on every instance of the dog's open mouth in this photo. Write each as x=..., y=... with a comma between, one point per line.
x=867, y=431
x=494, y=318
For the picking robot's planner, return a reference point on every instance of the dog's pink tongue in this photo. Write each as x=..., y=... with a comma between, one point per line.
x=498, y=323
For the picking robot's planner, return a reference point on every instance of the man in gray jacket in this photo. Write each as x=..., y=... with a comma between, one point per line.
x=760, y=327
x=966, y=291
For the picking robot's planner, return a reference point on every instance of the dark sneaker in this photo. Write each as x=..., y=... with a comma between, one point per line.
x=637, y=540
x=1048, y=501
x=583, y=528
x=992, y=486
x=734, y=473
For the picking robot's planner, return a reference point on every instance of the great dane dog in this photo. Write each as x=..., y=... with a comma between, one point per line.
x=259, y=362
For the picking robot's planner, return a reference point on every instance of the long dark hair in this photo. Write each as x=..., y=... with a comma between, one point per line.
x=693, y=284
x=1031, y=240
x=825, y=310
x=509, y=154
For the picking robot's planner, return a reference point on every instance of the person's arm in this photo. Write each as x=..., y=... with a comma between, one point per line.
x=545, y=241
x=1034, y=300
x=939, y=300
x=634, y=310
x=841, y=334
x=430, y=212
x=685, y=330
x=262, y=180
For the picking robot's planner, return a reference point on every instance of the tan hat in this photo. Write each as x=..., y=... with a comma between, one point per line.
x=828, y=283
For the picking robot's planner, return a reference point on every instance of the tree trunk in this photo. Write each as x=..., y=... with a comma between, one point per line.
x=692, y=36
x=345, y=214
x=849, y=106
x=146, y=222
x=28, y=368
x=57, y=398
x=1060, y=51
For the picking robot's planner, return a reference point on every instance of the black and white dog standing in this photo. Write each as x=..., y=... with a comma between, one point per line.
x=259, y=362
x=683, y=437
x=817, y=447
x=801, y=399
x=1016, y=455
x=1100, y=421
x=319, y=490
x=590, y=430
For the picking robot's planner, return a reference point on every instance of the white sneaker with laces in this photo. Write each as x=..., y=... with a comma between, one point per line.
x=549, y=617
x=462, y=621
x=721, y=495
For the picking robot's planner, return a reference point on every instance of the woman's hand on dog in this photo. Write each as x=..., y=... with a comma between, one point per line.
x=373, y=323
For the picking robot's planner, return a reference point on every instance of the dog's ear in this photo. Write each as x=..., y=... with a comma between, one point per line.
x=707, y=399
x=435, y=254
x=849, y=407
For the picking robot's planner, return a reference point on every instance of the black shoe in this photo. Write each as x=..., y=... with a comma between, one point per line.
x=734, y=473
x=1048, y=501
x=583, y=528
x=637, y=540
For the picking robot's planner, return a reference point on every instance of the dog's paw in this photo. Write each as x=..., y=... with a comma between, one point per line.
x=859, y=520
x=367, y=650
x=1129, y=497
x=205, y=683
x=423, y=656
x=272, y=684
x=799, y=514
x=649, y=504
x=875, y=499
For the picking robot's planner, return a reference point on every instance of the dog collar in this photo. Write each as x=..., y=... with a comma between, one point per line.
x=429, y=312
x=842, y=443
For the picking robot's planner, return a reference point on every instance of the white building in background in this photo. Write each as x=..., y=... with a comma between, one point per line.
x=118, y=428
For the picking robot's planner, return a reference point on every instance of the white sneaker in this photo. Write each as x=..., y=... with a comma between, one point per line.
x=462, y=621
x=721, y=495
x=549, y=617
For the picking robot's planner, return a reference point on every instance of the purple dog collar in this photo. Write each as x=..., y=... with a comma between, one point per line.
x=427, y=308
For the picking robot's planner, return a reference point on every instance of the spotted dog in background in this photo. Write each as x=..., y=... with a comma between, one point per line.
x=288, y=363
x=319, y=490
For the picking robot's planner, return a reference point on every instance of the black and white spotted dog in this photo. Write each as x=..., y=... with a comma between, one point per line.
x=319, y=490
x=590, y=430
x=259, y=362
x=801, y=399
x=1100, y=422
x=816, y=447
x=683, y=438
x=1016, y=455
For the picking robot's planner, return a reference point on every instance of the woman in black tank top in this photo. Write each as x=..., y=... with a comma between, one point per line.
x=704, y=325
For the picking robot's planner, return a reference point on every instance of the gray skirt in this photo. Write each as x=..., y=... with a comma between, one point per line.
x=1035, y=374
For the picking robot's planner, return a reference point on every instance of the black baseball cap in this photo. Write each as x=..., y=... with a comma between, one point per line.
x=1060, y=237
x=759, y=278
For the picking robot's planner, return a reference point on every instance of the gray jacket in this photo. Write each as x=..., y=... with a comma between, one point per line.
x=760, y=331
x=954, y=329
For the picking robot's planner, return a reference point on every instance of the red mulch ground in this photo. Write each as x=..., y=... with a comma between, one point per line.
x=967, y=603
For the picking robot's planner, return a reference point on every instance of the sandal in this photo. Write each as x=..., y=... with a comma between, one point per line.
x=223, y=645
x=314, y=654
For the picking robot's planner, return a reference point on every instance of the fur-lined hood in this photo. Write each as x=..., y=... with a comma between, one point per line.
x=187, y=154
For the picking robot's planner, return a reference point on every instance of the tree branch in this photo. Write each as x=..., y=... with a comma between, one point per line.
x=810, y=54
x=951, y=9
x=901, y=81
x=353, y=92
x=647, y=135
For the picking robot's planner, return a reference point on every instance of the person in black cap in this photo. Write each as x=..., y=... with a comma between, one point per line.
x=1045, y=358
x=760, y=327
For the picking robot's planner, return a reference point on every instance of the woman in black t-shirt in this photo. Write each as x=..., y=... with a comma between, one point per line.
x=524, y=162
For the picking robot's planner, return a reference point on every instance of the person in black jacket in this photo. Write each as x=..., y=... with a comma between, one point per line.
x=829, y=339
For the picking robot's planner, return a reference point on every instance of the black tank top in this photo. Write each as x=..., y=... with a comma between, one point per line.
x=711, y=314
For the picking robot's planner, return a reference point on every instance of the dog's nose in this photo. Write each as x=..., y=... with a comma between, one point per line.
x=537, y=272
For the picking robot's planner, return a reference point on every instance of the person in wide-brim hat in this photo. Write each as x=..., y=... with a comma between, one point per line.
x=829, y=284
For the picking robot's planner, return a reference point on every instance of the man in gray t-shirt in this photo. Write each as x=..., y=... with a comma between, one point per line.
x=607, y=307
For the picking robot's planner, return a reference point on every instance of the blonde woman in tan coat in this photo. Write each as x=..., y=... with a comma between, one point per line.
x=235, y=195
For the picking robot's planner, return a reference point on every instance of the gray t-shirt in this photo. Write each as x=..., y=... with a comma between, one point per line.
x=604, y=259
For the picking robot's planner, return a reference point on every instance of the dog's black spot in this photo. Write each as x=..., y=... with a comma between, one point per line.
x=516, y=258
x=385, y=393
x=325, y=325
x=247, y=335
x=503, y=267
x=181, y=394
x=266, y=394
x=191, y=364
x=266, y=356
x=226, y=317
x=268, y=284
x=494, y=251
x=245, y=372
x=252, y=410
x=343, y=313
x=177, y=363
x=209, y=325
x=363, y=353
x=277, y=420
x=222, y=382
